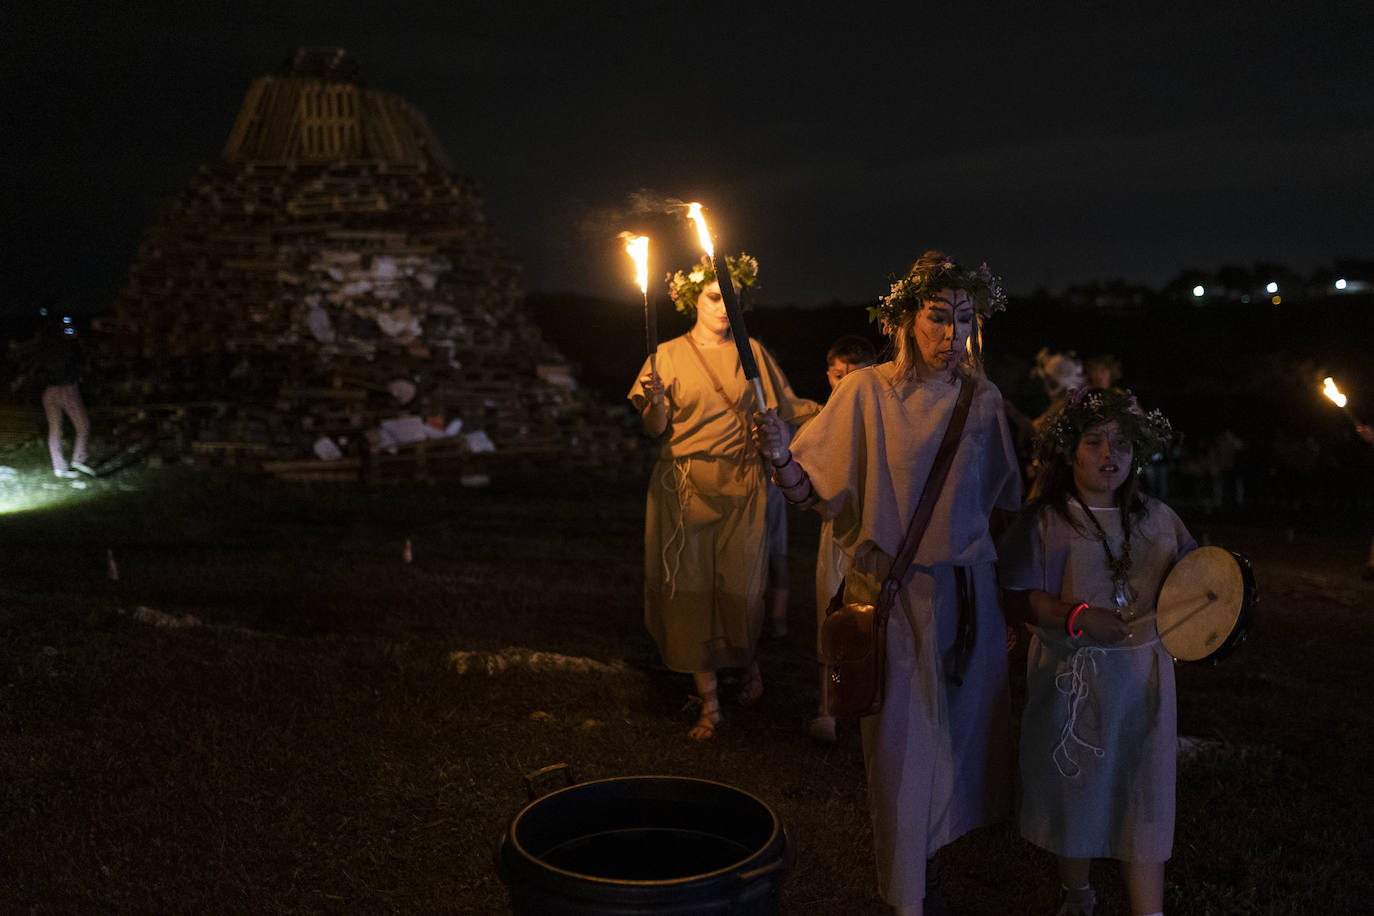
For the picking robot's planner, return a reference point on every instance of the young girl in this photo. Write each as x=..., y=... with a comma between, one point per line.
x=1084, y=562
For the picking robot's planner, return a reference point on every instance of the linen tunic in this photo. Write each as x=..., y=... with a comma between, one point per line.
x=1097, y=773
x=937, y=755
x=705, y=548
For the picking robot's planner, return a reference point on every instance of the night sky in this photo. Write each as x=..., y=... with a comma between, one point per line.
x=1063, y=143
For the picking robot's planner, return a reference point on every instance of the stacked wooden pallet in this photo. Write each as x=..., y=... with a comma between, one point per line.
x=316, y=294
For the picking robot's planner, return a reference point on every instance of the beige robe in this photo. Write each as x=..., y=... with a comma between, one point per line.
x=705, y=548
x=937, y=755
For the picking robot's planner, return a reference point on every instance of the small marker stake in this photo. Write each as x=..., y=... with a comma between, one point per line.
x=406, y=555
x=111, y=569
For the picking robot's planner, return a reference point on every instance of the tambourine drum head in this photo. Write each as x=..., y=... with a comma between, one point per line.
x=1204, y=605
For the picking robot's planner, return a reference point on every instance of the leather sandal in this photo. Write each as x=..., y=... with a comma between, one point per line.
x=705, y=727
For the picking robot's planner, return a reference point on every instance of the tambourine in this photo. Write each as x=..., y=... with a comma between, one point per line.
x=1207, y=605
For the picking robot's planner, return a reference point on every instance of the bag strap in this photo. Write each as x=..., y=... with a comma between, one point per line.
x=715, y=382
x=926, y=507
x=720, y=389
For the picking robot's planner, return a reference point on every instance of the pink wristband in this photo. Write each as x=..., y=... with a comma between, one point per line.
x=1068, y=623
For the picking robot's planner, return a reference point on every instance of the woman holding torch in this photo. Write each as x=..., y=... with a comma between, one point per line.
x=705, y=552
x=936, y=755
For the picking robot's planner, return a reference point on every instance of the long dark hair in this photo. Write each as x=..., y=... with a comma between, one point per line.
x=1060, y=432
x=1054, y=486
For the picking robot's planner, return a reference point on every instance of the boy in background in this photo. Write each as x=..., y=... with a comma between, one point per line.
x=846, y=355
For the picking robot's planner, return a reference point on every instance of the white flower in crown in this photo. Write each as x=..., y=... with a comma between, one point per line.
x=697, y=275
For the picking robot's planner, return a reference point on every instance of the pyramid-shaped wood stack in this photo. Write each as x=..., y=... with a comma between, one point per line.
x=330, y=275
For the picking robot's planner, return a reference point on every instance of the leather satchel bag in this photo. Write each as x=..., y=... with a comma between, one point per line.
x=854, y=636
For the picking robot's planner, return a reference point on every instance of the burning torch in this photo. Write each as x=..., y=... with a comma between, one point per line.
x=732, y=309
x=637, y=247
x=1331, y=391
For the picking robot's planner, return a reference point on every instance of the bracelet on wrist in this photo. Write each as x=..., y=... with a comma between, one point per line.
x=799, y=492
x=779, y=467
x=1068, y=621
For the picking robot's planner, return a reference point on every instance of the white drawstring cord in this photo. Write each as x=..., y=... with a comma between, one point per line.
x=1077, y=691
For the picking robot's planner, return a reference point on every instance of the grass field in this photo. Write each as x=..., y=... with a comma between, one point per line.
x=265, y=712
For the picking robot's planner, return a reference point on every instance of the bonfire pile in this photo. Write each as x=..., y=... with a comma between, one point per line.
x=340, y=316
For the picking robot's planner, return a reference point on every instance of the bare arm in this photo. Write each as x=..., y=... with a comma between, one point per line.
x=1051, y=612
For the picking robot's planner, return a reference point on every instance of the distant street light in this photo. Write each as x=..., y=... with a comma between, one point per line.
x=1340, y=284
x=1272, y=288
x=1198, y=291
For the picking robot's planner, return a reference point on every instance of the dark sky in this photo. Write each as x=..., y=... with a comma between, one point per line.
x=1061, y=142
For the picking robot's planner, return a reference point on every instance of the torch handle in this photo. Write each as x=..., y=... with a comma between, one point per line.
x=758, y=393
x=736, y=316
x=650, y=327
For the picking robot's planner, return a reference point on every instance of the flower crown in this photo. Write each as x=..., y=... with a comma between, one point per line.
x=1150, y=433
x=685, y=288
x=924, y=280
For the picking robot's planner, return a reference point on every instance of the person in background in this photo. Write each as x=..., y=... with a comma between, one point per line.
x=1059, y=373
x=1103, y=371
x=937, y=755
x=705, y=552
x=846, y=354
x=1084, y=562
x=55, y=361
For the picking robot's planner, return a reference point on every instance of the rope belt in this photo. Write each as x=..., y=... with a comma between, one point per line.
x=677, y=479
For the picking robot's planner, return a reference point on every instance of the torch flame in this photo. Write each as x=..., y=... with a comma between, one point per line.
x=637, y=247
x=1331, y=391
x=694, y=214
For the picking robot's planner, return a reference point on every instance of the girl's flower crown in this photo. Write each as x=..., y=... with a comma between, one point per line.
x=936, y=271
x=1150, y=433
x=685, y=288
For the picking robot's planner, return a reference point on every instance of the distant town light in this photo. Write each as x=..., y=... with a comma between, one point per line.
x=1198, y=291
x=1276, y=300
x=1340, y=284
x=1272, y=288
